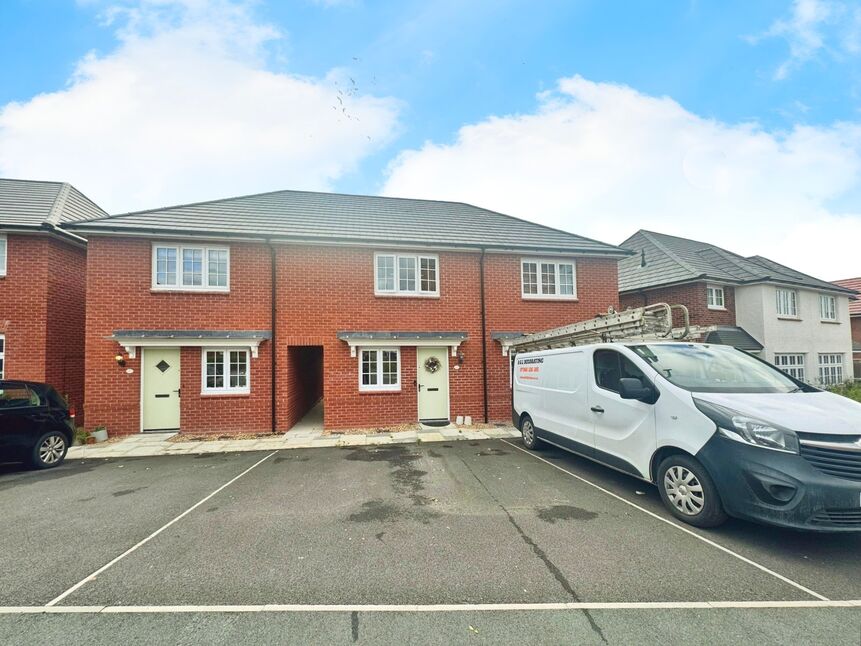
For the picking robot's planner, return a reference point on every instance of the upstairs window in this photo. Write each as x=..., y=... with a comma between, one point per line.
x=715, y=297
x=188, y=267
x=787, y=303
x=827, y=307
x=406, y=275
x=547, y=279
x=2, y=255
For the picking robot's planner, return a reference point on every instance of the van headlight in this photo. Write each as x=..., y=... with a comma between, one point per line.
x=750, y=430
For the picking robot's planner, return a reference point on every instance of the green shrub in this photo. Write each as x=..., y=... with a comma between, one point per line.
x=851, y=389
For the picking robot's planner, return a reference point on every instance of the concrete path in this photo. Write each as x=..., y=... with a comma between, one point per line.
x=303, y=436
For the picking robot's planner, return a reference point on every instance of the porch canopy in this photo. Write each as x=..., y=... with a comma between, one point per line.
x=133, y=339
x=424, y=339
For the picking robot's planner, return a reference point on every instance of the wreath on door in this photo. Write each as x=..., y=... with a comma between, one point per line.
x=433, y=364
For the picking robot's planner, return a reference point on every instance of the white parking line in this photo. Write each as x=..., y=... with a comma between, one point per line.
x=677, y=526
x=430, y=608
x=58, y=599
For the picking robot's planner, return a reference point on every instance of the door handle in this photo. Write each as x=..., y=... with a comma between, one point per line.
x=597, y=409
x=178, y=393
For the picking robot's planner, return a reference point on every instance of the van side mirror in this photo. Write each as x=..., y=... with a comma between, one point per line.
x=633, y=388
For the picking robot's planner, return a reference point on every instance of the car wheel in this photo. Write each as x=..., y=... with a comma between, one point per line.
x=689, y=492
x=49, y=451
x=527, y=429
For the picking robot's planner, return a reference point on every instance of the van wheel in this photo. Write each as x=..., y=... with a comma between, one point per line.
x=527, y=429
x=49, y=450
x=689, y=492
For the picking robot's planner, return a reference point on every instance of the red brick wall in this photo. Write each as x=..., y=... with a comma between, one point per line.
x=320, y=292
x=23, y=307
x=692, y=295
x=119, y=297
x=597, y=289
x=66, y=305
x=856, y=328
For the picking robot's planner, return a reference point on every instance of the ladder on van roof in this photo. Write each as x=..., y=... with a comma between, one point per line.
x=652, y=322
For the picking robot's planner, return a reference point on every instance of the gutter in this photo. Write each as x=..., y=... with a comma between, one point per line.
x=273, y=291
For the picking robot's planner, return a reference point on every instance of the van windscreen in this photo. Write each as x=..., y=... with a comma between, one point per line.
x=714, y=369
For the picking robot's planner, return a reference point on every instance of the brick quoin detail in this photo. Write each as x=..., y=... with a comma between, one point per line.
x=692, y=295
x=320, y=291
x=42, y=302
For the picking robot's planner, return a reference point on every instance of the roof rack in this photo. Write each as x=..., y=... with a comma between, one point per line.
x=649, y=323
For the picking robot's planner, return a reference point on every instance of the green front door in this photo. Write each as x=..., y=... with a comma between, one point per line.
x=432, y=381
x=160, y=389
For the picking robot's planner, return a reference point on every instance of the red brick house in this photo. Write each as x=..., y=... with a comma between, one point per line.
x=797, y=322
x=240, y=314
x=855, y=319
x=42, y=284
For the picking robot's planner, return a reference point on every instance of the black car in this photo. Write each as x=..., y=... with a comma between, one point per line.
x=35, y=424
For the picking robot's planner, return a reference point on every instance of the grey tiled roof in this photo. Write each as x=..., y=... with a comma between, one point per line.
x=32, y=204
x=668, y=260
x=735, y=336
x=312, y=216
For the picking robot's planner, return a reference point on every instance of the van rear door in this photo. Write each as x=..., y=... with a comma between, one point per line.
x=625, y=436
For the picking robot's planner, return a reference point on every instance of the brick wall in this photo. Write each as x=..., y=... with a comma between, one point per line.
x=692, y=295
x=66, y=305
x=119, y=297
x=597, y=289
x=23, y=307
x=856, y=329
x=320, y=292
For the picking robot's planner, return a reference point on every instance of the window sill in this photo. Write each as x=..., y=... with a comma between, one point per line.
x=572, y=299
x=380, y=392
x=164, y=290
x=210, y=395
x=829, y=321
x=717, y=309
x=405, y=295
x=789, y=318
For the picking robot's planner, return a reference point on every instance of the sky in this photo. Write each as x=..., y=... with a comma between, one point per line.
x=733, y=122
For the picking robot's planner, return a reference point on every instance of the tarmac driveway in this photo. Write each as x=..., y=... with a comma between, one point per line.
x=426, y=529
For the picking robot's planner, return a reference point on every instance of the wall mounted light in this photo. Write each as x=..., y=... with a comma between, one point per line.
x=460, y=357
x=120, y=359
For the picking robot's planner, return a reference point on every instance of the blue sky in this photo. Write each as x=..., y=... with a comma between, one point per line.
x=759, y=102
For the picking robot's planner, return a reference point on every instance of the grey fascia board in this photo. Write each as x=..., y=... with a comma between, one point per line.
x=190, y=334
x=401, y=336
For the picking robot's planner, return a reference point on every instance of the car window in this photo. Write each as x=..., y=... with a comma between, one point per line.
x=18, y=397
x=611, y=366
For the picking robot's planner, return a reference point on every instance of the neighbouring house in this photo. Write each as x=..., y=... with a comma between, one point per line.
x=42, y=284
x=240, y=314
x=855, y=318
x=797, y=322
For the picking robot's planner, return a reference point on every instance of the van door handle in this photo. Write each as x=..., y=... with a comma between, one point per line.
x=597, y=409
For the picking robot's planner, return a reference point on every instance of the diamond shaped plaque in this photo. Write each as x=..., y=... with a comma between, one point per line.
x=162, y=365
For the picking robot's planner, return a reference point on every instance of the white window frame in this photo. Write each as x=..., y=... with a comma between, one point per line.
x=791, y=299
x=379, y=386
x=227, y=389
x=4, y=244
x=556, y=262
x=792, y=363
x=712, y=292
x=2, y=356
x=831, y=368
x=178, y=286
x=397, y=291
x=824, y=310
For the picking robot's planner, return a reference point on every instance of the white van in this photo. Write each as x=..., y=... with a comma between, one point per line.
x=719, y=431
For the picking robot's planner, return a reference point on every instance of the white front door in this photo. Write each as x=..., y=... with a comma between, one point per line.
x=432, y=383
x=160, y=383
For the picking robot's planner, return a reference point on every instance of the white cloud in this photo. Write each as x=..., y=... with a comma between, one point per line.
x=185, y=108
x=603, y=160
x=814, y=26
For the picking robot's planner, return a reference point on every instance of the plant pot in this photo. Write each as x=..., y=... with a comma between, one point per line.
x=100, y=435
x=90, y=440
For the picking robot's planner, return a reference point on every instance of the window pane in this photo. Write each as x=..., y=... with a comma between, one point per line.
x=214, y=369
x=530, y=278
x=385, y=273
x=428, y=277
x=192, y=267
x=369, y=367
x=548, y=278
x=165, y=266
x=566, y=279
x=390, y=367
x=238, y=369
x=830, y=369
x=217, y=262
x=406, y=274
x=607, y=369
x=2, y=255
